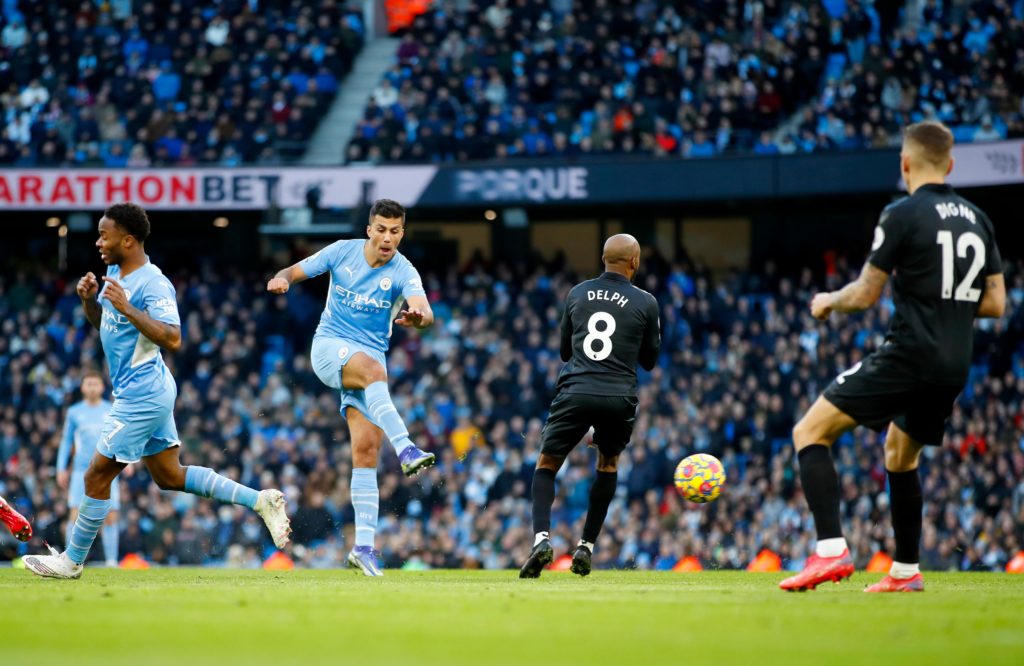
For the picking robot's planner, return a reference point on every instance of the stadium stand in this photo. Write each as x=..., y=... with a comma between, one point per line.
x=531, y=78
x=127, y=84
x=741, y=357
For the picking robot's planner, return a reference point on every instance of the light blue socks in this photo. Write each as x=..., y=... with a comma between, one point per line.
x=111, y=536
x=365, y=502
x=204, y=482
x=91, y=514
x=385, y=416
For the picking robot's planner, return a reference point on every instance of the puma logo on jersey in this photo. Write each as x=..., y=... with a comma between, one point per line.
x=351, y=273
x=953, y=209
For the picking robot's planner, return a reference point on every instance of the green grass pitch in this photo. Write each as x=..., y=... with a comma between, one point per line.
x=205, y=616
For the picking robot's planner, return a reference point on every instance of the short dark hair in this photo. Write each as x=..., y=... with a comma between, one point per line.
x=92, y=372
x=934, y=139
x=387, y=208
x=130, y=217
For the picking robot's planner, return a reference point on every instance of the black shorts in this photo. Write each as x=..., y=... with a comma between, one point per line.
x=573, y=414
x=879, y=391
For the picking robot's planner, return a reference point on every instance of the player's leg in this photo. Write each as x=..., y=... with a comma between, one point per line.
x=601, y=494
x=543, y=493
x=902, y=456
x=91, y=515
x=169, y=474
x=15, y=522
x=813, y=437
x=613, y=419
x=361, y=372
x=563, y=430
x=366, y=441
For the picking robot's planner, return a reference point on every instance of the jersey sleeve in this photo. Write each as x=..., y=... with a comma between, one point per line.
x=67, y=438
x=409, y=281
x=565, y=348
x=887, y=247
x=160, y=301
x=324, y=260
x=651, y=345
x=994, y=261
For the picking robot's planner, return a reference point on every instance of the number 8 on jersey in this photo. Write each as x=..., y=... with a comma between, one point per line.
x=596, y=335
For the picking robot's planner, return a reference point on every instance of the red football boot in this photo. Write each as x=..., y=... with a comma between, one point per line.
x=820, y=570
x=16, y=522
x=889, y=584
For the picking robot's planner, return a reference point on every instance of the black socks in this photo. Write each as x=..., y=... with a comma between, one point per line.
x=821, y=488
x=906, y=503
x=543, y=498
x=601, y=494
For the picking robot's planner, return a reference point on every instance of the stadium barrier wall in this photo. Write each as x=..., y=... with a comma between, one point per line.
x=521, y=183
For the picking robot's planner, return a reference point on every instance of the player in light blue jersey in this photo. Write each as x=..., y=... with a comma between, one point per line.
x=82, y=427
x=137, y=316
x=368, y=278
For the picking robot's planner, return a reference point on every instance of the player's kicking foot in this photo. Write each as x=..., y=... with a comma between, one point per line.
x=540, y=557
x=364, y=559
x=889, y=584
x=581, y=561
x=19, y=526
x=55, y=565
x=270, y=505
x=820, y=570
x=415, y=461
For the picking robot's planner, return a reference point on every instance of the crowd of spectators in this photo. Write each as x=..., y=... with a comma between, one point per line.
x=125, y=83
x=565, y=78
x=741, y=360
x=954, y=61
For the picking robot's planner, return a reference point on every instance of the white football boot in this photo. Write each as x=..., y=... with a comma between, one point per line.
x=271, y=506
x=55, y=565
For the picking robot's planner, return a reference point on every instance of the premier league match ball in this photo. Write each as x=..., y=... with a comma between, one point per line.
x=700, y=478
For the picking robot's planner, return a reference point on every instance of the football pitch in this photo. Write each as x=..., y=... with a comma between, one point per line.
x=209, y=616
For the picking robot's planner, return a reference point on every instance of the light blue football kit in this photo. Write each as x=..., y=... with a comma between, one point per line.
x=141, y=422
x=82, y=427
x=358, y=314
x=358, y=318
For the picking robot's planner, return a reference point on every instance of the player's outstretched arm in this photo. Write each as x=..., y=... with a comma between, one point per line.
x=87, y=289
x=993, y=301
x=417, y=313
x=285, y=278
x=857, y=296
x=166, y=336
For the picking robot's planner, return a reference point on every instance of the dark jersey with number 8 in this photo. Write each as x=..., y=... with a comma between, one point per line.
x=940, y=248
x=608, y=327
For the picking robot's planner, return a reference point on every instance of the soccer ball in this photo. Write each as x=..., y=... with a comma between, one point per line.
x=700, y=478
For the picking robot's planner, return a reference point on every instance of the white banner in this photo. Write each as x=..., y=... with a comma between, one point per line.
x=981, y=164
x=200, y=189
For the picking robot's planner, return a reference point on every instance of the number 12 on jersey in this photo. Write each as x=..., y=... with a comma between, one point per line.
x=967, y=240
x=603, y=336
